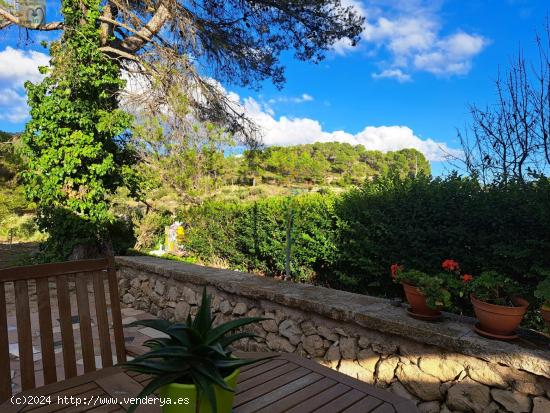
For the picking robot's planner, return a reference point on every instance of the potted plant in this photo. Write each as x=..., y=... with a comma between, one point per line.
x=425, y=294
x=193, y=369
x=543, y=292
x=497, y=305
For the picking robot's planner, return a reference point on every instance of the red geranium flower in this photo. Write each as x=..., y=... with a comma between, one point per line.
x=467, y=278
x=394, y=268
x=450, y=265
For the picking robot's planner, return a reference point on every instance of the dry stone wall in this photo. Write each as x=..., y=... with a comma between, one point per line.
x=442, y=367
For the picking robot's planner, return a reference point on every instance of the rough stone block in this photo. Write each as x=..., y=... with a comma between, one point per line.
x=512, y=401
x=468, y=396
x=423, y=385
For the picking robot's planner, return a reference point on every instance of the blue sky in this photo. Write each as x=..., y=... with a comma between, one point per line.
x=408, y=82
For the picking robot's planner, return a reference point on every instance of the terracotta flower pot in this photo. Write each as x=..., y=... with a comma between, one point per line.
x=545, y=312
x=417, y=301
x=499, y=320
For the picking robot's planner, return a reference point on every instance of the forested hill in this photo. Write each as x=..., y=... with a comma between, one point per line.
x=330, y=163
x=201, y=170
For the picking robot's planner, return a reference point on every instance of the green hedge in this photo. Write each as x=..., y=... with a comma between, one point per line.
x=252, y=235
x=420, y=222
x=350, y=241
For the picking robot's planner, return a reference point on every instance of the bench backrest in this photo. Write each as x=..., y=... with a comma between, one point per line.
x=49, y=300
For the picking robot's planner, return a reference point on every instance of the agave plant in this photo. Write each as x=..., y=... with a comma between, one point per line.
x=194, y=352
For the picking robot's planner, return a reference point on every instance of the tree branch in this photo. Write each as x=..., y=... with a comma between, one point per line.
x=124, y=26
x=136, y=42
x=15, y=20
x=120, y=53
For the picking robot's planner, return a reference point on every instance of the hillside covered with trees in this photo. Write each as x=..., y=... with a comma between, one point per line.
x=204, y=170
x=330, y=163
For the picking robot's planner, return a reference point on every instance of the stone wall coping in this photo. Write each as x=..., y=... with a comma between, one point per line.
x=453, y=334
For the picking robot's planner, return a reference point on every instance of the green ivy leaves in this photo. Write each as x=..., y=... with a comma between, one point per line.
x=76, y=156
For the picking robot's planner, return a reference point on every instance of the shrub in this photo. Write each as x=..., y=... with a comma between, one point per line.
x=252, y=235
x=418, y=221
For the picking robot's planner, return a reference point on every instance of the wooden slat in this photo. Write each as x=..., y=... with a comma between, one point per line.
x=277, y=394
x=366, y=405
x=312, y=404
x=5, y=372
x=102, y=320
x=24, y=334
x=140, y=378
x=342, y=402
x=250, y=366
x=257, y=370
x=52, y=270
x=299, y=396
x=258, y=391
x=118, y=332
x=67, y=337
x=46, y=332
x=86, y=338
x=268, y=375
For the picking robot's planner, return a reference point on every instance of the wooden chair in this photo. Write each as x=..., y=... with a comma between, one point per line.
x=82, y=277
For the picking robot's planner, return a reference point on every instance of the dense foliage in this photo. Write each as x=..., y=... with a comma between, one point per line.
x=418, y=222
x=16, y=219
x=73, y=145
x=252, y=235
x=350, y=241
x=543, y=291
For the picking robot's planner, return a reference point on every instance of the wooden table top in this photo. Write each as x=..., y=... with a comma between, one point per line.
x=287, y=383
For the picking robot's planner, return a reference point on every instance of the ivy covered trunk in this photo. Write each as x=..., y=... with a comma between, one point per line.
x=75, y=144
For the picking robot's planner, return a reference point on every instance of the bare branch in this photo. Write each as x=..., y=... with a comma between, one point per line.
x=124, y=26
x=15, y=20
x=136, y=42
x=121, y=54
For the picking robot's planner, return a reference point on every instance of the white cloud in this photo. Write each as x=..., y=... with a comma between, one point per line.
x=304, y=97
x=452, y=55
x=408, y=35
x=393, y=73
x=16, y=67
x=292, y=131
